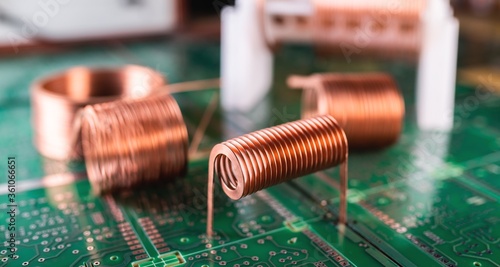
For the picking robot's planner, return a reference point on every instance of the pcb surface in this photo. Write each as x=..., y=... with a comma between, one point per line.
x=433, y=199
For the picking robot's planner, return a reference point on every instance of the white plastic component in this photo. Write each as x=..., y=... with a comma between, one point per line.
x=67, y=20
x=292, y=8
x=246, y=60
x=437, y=67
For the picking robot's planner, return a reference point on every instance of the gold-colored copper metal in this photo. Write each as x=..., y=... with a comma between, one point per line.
x=368, y=106
x=192, y=86
x=129, y=143
x=57, y=98
x=267, y=157
x=202, y=126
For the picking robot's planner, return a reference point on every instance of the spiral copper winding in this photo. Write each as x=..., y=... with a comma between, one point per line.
x=133, y=142
x=57, y=98
x=376, y=26
x=368, y=106
x=274, y=155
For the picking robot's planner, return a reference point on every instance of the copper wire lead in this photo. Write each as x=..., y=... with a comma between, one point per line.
x=57, y=98
x=267, y=157
x=133, y=142
x=368, y=106
x=192, y=86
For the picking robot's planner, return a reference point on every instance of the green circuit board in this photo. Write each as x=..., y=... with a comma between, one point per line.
x=432, y=199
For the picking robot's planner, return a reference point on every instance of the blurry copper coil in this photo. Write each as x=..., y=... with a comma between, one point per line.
x=133, y=142
x=274, y=155
x=368, y=106
x=386, y=27
x=57, y=98
x=401, y=7
x=380, y=27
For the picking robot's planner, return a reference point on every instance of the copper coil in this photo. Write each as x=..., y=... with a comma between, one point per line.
x=381, y=27
x=129, y=143
x=368, y=106
x=401, y=7
x=385, y=27
x=274, y=155
x=57, y=98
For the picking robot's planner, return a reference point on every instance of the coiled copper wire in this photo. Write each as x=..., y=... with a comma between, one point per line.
x=368, y=106
x=57, y=98
x=130, y=143
x=387, y=27
x=267, y=157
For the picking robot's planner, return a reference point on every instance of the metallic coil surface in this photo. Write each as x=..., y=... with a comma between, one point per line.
x=368, y=106
x=267, y=157
x=380, y=27
x=271, y=156
x=56, y=100
x=129, y=143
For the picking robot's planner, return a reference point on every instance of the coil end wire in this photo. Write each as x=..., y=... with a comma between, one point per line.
x=258, y=160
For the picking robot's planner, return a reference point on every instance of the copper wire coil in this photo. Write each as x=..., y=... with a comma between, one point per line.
x=368, y=106
x=57, y=98
x=368, y=22
x=274, y=155
x=133, y=142
x=379, y=27
x=400, y=7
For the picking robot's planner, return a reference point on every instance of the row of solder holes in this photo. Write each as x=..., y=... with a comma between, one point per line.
x=96, y=263
x=301, y=21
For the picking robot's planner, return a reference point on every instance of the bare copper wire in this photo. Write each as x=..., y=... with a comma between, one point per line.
x=368, y=106
x=129, y=143
x=192, y=86
x=267, y=157
x=57, y=98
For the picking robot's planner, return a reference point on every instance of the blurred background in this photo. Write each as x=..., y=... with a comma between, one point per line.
x=38, y=26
